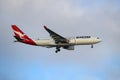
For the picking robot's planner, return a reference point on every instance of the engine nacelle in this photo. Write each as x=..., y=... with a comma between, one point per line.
x=69, y=47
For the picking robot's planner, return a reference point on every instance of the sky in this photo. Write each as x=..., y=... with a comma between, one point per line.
x=69, y=18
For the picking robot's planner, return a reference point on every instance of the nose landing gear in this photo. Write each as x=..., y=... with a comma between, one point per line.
x=92, y=46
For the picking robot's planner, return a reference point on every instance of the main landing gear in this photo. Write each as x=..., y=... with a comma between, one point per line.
x=57, y=49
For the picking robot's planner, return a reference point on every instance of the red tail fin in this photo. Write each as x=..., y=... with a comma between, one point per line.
x=18, y=33
x=21, y=36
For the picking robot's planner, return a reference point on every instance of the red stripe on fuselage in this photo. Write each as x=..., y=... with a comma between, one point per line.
x=28, y=40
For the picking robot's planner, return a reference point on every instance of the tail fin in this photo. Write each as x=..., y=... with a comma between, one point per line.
x=21, y=36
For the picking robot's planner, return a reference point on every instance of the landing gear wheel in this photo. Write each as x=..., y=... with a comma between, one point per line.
x=57, y=50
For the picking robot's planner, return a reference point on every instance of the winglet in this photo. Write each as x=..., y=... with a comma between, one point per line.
x=45, y=27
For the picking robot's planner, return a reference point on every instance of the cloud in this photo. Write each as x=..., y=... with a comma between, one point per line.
x=98, y=20
x=68, y=18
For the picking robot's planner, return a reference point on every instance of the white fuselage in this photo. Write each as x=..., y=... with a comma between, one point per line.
x=72, y=41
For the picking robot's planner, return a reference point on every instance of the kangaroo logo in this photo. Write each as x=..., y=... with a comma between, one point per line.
x=20, y=34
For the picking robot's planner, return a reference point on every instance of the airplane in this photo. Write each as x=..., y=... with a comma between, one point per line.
x=56, y=40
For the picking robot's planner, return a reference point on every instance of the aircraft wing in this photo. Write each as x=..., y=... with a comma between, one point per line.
x=58, y=39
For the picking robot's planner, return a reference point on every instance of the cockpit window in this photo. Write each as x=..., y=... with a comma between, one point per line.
x=97, y=37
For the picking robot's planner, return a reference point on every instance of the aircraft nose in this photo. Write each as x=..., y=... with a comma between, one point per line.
x=99, y=40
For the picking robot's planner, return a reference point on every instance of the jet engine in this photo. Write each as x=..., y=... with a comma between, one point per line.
x=69, y=47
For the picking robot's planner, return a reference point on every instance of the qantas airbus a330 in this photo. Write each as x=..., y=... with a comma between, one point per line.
x=57, y=40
